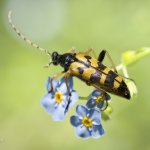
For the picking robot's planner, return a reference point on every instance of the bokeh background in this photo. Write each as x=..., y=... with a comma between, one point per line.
x=59, y=25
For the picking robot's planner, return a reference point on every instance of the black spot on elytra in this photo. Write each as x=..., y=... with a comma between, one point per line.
x=109, y=82
x=95, y=77
x=81, y=70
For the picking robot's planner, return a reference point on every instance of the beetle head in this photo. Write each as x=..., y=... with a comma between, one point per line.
x=55, y=58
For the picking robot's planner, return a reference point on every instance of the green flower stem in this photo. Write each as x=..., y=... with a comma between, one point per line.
x=84, y=98
x=124, y=69
x=130, y=57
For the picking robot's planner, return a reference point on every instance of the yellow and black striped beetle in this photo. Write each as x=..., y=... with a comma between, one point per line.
x=83, y=66
x=92, y=72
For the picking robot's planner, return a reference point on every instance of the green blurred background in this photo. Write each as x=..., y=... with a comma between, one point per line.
x=58, y=25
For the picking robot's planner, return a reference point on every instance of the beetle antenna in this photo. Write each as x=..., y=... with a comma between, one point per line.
x=24, y=37
x=47, y=65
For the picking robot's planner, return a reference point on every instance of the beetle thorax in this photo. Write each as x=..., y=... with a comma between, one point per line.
x=66, y=59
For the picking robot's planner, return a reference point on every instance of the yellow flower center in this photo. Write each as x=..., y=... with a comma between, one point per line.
x=99, y=99
x=58, y=97
x=87, y=122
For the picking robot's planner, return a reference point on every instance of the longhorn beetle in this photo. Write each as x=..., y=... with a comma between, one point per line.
x=88, y=69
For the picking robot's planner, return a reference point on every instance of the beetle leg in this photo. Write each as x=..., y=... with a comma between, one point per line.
x=102, y=56
x=47, y=65
x=55, y=77
x=71, y=50
x=66, y=77
x=105, y=106
x=69, y=93
x=91, y=51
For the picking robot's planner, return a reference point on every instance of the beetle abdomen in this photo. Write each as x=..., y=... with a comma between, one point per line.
x=102, y=78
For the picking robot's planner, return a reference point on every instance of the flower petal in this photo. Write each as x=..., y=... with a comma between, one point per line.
x=48, y=103
x=70, y=83
x=48, y=84
x=64, y=100
x=97, y=131
x=101, y=104
x=83, y=132
x=91, y=103
x=73, y=98
x=96, y=93
x=75, y=121
x=95, y=115
x=81, y=111
x=62, y=85
x=59, y=113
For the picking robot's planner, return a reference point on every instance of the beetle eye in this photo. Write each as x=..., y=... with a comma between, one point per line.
x=54, y=56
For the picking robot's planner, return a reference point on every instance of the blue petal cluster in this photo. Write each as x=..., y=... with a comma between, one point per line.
x=56, y=100
x=87, y=122
x=97, y=99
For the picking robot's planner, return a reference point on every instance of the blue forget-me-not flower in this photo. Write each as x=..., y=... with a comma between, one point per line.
x=97, y=99
x=87, y=122
x=56, y=100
